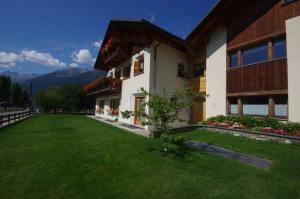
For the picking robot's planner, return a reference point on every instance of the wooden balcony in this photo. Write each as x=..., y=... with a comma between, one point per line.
x=262, y=78
x=104, y=86
x=199, y=84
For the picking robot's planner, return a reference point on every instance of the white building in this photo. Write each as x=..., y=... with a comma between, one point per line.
x=244, y=62
x=141, y=55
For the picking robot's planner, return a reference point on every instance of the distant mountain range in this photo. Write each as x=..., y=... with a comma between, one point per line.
x=66, y=76
x=16, y=77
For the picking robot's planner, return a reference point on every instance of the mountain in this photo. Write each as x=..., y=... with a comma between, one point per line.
x=16, y=77
x=66, y=76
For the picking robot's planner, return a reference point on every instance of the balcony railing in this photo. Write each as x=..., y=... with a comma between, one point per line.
x=104, y=86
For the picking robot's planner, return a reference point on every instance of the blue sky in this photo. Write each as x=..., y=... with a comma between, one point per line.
x=40, y=36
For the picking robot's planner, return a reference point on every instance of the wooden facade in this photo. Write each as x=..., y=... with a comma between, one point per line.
x=258, y=78
x=249, y=23
x=255, y=22
x=198, y=110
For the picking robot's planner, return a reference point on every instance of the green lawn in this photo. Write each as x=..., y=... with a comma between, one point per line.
x=69, y=156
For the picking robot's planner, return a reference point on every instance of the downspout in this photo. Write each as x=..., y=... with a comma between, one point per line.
x=155, y=58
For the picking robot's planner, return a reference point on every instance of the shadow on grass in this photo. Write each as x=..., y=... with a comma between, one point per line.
x=175, y=152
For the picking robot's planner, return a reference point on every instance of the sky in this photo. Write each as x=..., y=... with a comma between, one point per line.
x=41, y=36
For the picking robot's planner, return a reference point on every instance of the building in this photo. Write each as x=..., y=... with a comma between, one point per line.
x=137, y=54
x=245, y=55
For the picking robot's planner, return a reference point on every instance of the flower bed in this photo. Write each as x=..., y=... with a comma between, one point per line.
x=265, y=125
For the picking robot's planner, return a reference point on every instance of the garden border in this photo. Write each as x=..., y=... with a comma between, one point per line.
x=268, y=136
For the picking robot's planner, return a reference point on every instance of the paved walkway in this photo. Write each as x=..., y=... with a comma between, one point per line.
x=243, y=158
x=127, y=127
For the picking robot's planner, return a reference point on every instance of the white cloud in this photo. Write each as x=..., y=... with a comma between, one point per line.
x=98, y=44
x=42, y=58
x=8, y=60
x=83, y=56
x=74, y=65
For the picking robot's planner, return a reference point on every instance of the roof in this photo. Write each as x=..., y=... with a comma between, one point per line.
x=142, y=30
x=203, y=25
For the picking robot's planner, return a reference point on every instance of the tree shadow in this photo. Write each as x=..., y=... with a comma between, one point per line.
x=175, y=152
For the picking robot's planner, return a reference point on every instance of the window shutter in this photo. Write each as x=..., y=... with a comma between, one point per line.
x=136, y=67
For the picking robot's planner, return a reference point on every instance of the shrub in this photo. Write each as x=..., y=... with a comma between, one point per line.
x=291, y=127
x=177, y=140
x=253, y=122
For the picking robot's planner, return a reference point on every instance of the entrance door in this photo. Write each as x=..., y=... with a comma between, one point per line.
x=198, y=110
x=139, y=101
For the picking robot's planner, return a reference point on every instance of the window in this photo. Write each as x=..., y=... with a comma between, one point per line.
x=101, y=107
x=181, y=70
x=126, y=72
x=255, y=54
x=139, y=65
x=233, y=60
x=199, y=70
x=279, y=48
x=256, y=106
x=117, y=74
x=281, y=106
x=233, y=109
x=114, y=106
x=288, y=1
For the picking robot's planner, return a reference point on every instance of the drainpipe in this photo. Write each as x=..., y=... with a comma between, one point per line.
x=155, y=58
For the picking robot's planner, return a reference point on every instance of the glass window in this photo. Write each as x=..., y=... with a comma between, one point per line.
x=288, y=1
x=256, y=106
x=181, y=70
x=233, y=109
x=255, y=54
x=199, y=70
x=114, y=106
x=279, y=48
x=139, y=65
x=281, y=106
x=233, y=60
x=126, y=72
x=117, y=74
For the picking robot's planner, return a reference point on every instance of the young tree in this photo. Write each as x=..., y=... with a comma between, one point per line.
x=5, y=88
x=165, y=109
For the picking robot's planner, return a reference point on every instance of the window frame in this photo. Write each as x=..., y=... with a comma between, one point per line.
x=270, y=51
x=181, y=73
x=140, y=61
x=126, y=69
x=257, y=46
x=202, y=68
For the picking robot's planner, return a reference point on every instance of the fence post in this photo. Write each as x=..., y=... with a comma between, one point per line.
x=8, y=119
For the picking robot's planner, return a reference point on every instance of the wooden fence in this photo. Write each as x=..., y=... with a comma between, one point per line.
x=10, y=118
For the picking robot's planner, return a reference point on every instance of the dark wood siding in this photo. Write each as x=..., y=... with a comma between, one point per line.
x=254, y=20
x=269, y=76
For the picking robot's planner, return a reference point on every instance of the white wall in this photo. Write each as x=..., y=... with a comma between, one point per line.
x=167, y=61
x=106, y=106
x=293, y=56
x=131, y=86
x=216, y=73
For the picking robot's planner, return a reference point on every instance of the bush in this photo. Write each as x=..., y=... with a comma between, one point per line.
x=253, y=122
x=291, y=127
x=177, y=140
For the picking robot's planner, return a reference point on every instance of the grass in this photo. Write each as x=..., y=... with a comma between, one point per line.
x=72, y=156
